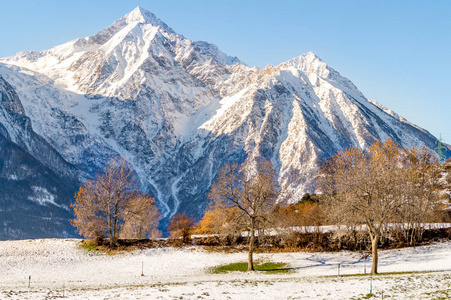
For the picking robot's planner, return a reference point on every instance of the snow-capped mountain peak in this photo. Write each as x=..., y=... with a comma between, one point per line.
x=177, y=110
x=136, y=16
x=308, y=63
x=142, y=15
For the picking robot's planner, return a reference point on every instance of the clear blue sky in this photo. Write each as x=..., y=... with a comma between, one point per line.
x=396, y=52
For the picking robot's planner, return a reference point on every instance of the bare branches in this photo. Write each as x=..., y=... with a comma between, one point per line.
x=141, y=218
x=253, y=192
x=245, y=197
x=385, y=184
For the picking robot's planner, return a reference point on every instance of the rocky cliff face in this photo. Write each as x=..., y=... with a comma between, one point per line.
x=36, y=183
x=177, y=110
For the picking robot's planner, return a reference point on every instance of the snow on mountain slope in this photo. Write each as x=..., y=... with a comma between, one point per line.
x=36, y=183
x=177, y=110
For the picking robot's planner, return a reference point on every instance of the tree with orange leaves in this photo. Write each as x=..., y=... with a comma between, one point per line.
x=104, y=206
x=222, y=221
x=180, y=226
x=89, y=220
x=302, y=213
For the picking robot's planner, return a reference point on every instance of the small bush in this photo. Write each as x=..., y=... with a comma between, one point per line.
x=89, y=245
x=181, y=226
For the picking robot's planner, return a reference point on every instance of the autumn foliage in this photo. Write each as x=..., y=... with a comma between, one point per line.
x=305, y=212
x=180, y=226
x=111, y=206
x=222, y=221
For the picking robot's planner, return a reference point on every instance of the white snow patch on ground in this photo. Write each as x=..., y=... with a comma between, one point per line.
x=58, y=266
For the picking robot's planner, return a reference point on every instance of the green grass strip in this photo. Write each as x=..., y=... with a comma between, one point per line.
x=267, y=267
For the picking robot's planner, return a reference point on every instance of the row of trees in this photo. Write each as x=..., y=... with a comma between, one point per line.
x=373, y=190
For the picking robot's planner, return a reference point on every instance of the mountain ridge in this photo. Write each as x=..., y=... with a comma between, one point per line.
x=177, y=110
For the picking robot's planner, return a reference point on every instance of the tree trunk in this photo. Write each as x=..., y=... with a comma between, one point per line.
x=115, y=236
x=250, y=263
x=110, y=231
x=374, y=242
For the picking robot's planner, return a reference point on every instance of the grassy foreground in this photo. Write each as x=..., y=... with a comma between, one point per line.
x=267, y=267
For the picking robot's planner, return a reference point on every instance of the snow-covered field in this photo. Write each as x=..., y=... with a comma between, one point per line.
x=60, y=267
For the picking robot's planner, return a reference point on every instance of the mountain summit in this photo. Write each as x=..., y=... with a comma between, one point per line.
x=137, y=16
x=142, y=15
x=177, y=110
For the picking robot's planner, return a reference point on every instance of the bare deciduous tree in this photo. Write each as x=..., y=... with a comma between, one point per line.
x=420, y=192
x=376, y=188
x=252, y=190
x=105, y=205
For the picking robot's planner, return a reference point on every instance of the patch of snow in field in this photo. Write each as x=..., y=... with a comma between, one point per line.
x=171, y=273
